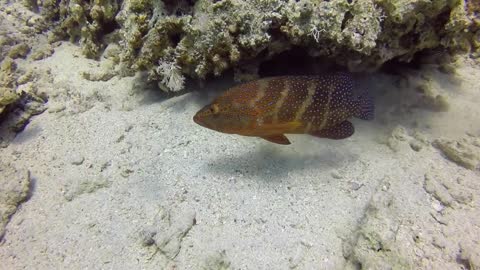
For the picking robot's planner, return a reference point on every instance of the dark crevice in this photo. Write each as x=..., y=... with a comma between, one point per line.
x=262, y=54
x=296, y=61
x=179, y=7
x=394, y=66
x=348, y=16
x=109, y=27
x=275, y=32
x=410, y=39
x=442, y=19
x=88, y=17
x=175, y=38
x=436, y=56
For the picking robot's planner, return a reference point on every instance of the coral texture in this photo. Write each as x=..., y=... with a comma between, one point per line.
x=171, y=39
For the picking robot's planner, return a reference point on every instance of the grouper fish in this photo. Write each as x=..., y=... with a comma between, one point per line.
x=271, y=107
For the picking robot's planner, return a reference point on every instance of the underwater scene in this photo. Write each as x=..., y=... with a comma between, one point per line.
x=240, y=134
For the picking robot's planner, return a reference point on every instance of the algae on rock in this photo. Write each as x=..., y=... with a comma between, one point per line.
x=375, y=244
x=14, y=189
x=11, y=93
x=19, y=51
x=465, y=152
x=7, y=83
x=84, y=21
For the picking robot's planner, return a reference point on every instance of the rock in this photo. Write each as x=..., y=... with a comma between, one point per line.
x=7, y=96
x=447, y=68
x=14, y=189
x=19, y=51
x=25, y=78
x=112, y=52
x=298, y=256
x=437, y=190
x=437, y=206
x=42, y=53
x=147, y=237
x=56, y=108
x=78, y=186
x=431, y=99
x=470, y=254
x=355, y=185
x=400, y=133
x=447, y=190
x=218, y=261
x=8, y=66
x=336, y=174
x=416, y=145
x=31, y=4
x=374, y=245
x=103, y=75
x=6, y=40
x=440, y=103
x=439, y=241
x=462, y=195
x=76, y=159
x=171, y=229
x=398, y=137
x=126, y=172
x=18, y=94
x=421, y=137
x=463, y=152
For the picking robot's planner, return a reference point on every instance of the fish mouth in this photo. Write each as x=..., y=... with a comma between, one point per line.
x=198, y=120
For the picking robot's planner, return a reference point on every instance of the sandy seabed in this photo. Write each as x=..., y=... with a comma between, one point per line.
x=120, y=177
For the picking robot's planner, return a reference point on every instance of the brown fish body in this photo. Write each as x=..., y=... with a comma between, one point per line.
x=271, y=107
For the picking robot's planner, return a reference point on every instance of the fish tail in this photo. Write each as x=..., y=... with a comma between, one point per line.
x=364, y=107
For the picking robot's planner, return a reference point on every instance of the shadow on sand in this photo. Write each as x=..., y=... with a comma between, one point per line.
x=272, y=163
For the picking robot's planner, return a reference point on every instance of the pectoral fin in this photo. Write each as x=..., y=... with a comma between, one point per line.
x=341, y=131
x=280, y=139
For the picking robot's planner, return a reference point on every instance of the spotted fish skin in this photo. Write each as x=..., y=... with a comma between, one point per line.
x=272, y=107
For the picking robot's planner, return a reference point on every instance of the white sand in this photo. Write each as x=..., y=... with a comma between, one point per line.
x=123, y=179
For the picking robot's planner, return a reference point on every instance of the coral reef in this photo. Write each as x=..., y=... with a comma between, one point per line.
x=170, y=39
x=83, y=21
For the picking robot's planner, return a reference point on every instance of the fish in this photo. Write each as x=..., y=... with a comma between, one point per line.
x=271, y=107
